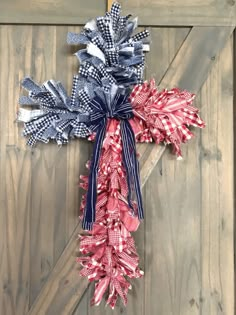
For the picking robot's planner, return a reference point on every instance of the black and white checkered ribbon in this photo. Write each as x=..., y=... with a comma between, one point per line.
x=55, y=115
x=109, y=42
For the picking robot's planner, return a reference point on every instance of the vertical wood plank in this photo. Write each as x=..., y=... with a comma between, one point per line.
x=172, y=235
x=15, y=168
x=44, y=165
x=217, y=185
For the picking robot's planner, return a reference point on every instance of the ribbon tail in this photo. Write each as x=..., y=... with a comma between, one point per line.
x=90, y=209
x=132, y=166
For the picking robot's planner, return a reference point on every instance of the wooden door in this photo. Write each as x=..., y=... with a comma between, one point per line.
x=186, y=242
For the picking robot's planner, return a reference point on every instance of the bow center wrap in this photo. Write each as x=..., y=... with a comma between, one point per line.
x=112, y=105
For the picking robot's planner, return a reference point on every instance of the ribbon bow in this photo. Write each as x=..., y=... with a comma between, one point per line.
x=105, y=106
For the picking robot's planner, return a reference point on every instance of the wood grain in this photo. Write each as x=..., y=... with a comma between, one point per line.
x=45, y=298
x=217, y=188
x=50, y=12
x=188, y=70
x=60, y=296
x=189, y=234
x=182, y=13
x=154, y=12
x=15, y=170
x=39, y=192
x=39, y=195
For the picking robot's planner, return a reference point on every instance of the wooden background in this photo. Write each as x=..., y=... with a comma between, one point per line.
x=186, y=243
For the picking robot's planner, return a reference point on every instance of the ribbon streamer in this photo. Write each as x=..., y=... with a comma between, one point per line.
x=112, y=105
x=109, y=254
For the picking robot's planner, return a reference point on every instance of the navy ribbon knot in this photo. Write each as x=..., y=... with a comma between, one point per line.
x=105, y=105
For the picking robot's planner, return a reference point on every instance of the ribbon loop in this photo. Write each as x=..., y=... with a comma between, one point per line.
x=105, y=106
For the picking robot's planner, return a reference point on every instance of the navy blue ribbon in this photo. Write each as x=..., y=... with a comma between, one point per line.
x=119, y=108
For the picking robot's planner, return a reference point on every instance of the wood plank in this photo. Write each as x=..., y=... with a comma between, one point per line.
x=150, y=13
x=50, y=12
x=60, y=296
x=15, y=170
x=182, y=13
x=82, y=307
x=217, y=188
x=10, y=93
x=36, y=224
x=64, y=267
x=45, y=217
x=189, y=235
x=172, y=234
x=190, y=68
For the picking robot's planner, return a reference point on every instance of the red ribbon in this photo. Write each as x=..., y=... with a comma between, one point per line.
x=109, y=254
x=163, y=116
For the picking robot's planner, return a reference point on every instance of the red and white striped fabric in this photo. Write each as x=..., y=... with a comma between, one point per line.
x=163, y=116
x=108, y=253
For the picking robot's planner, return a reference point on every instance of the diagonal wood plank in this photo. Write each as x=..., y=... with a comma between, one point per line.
x=189, y=69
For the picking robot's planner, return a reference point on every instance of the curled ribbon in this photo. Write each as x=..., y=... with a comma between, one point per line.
x=163, y=116
x=111, y=43
x=55, y=115
x=109, y=254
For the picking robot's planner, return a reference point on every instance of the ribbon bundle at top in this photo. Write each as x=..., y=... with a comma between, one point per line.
x=110, y=104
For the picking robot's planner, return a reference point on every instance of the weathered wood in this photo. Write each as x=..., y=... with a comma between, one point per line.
x=217, y=188
x=35, y=226
x=182, y=13
x=60, y=295
x=189, y=234
x=189, y=70
x=46, y=213
x=50, y=12
x=47, y=296
x=15, y=184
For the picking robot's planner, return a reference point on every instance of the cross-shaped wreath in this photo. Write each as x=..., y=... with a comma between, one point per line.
x=112, y=106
